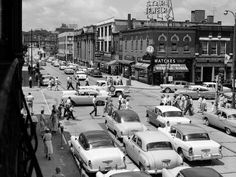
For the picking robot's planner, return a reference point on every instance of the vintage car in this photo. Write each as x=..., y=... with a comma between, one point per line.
x=114, y=90
x=160, y=116
x=124, y=123
x=193, y=142
x=185, y=171
x=81, y=75
x=68, y=70
x=172, y=87
x=196, y=91
x=152, y=151
x=45, y=80
x=96, y=151
x=72, y=66
x=56, y=64
x=62, y=66
x=224, y=118
x=123, y=173
x=212, y=86
x=95, y=73
x=85, y=97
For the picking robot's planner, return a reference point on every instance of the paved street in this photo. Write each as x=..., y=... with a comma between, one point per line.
x=141, y=96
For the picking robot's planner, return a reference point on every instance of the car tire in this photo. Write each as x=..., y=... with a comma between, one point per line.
x=167, y=90
x=141, y=167
x=180, y=152
x=206, y=121
x=228, y=131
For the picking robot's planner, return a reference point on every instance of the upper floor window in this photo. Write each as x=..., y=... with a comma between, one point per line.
x=98, y=32
x=162, y=39
x=125, y=44
x=186, y=40
x=174, y=41
x=222, y=48
x=141, y=44
x=105, y=49
x=101, y=31
x=147, y=41
x=110, y=30
x=105, y=30
x=132, y=44
x=204, y=46
x=213, y=47
x=109, y=46
x=136, y=44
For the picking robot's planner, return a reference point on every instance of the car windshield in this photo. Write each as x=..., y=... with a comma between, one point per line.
x=173, y=114
x=163, y=145
x=101, y=144
x=132, y=118
x=196, y=137
x=232, y=116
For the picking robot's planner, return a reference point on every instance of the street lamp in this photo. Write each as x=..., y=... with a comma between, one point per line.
x=234, y=57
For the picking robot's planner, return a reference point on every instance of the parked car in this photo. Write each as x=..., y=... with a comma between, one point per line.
x=172, y=87
x=185, y=171
x=152, y=151
x=85, y=97
x=193, y=142
x=160, y=116
x=224, y=118
x=81, y=75
x=45, y=79
x=124, y=123
x=196, y=91
x=123, y=173
x=68, y=70
x=96, y=151
x=56, y=64
x=72, y=66
x=212, y=86
x=95, y=73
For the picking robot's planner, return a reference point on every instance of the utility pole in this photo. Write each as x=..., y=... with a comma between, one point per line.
x=31, y=51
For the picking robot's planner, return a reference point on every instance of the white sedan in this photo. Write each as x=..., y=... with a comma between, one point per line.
x=123, y=173
x=193, y=142
x=152, y=151
x=124, y=123
x=212, y=86
x=68, y=70
x=81, y=75
x=160, y=116
x=85, y=96
x=96, y=151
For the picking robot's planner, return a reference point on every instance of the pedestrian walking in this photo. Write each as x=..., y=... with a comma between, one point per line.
x=105, y=109
x=70, y=113
x=47, y=139
x=127, y=104
x=200, y=104
x=67, y=106
x=57, y=83
x=182, y=102
x=50, y=84
x=58, y=173
x=110, y=107
x=34, y=121
x=30, y=100
x=188, y=107
x=120, y=101
x=121, y=79
x=87, y=81
x=29, y=69
x=168, y=100
x=70, y=85
x=123, y=104
x=42, y=123
x=203, y=105
x=59, y=108
x=54, y=119
x=94, y=106
x=30, y=82
x=67, y=82
x=162, y=100
x=36, y=77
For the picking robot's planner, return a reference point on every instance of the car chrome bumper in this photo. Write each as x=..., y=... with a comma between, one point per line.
x=205, y=157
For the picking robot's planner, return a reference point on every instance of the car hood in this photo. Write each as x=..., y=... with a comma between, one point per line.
x=177, y=120
x=128, y=128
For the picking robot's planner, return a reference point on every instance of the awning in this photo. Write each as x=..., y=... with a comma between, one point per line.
x=141, y=65
x=126, y=62
x=113, y=62
x=171, y=68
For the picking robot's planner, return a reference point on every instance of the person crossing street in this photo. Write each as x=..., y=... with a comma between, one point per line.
x=94, y=106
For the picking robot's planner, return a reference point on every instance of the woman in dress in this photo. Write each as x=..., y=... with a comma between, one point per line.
x=47, y=139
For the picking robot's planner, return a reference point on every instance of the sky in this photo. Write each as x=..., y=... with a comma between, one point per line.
x=50, y=14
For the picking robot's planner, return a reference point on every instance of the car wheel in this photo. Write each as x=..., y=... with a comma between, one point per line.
x=142, y=168
x=118, y=94
x=180, y=152
x=116, y=135
x=228, y=131
x=146, y=114
x=206, y=121
x=167, y=90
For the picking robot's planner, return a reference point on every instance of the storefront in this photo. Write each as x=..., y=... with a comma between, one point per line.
x=125, y=67
x=61, y=56
x=112, y=67
x=141, y=72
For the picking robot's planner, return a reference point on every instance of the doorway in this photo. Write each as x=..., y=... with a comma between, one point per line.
x=207, y=73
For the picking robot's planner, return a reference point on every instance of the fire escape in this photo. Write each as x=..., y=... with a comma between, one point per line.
x=18, y=140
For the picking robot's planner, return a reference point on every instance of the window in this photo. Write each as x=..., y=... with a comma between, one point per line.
x=213, y=48
x=204, y=45
x=101, y=31
x=147, y=41
x=109, y=46
x=125, y=44
x=222, y=48
x=132, y=44
x=141, y=44
x=174, y=40
x=161, y=40
x=102, y=46
x=139, y=142
x=136, y=45
x=105, y=49
x=98, y=46
x=110, y=31
x=98, y=34
x=105, y=30
x=186, y=40
x=178, y=135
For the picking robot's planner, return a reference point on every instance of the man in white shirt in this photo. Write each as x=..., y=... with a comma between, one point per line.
x=94, y=106
x=30, y=100
x=127, y=105
x=120, y=101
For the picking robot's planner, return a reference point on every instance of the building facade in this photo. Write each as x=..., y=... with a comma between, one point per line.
x=66, y=46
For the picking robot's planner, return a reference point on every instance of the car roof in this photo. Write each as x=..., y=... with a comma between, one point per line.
x=189, y=128
x=151, y=136
x=131, y=174
x=168, y=108
x=228, y=110
x=200, y=172
x=125, y=112
x=96, y=135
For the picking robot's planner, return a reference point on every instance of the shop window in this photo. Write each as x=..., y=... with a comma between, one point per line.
x=213, y=48
x=222, y=48
x=204, y=46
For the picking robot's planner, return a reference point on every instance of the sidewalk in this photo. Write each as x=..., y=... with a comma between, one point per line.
x=135, y=84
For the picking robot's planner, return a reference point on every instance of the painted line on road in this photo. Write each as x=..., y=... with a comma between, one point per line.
x=45, y=101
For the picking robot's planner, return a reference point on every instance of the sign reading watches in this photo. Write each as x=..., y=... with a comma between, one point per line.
x=165, y=61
